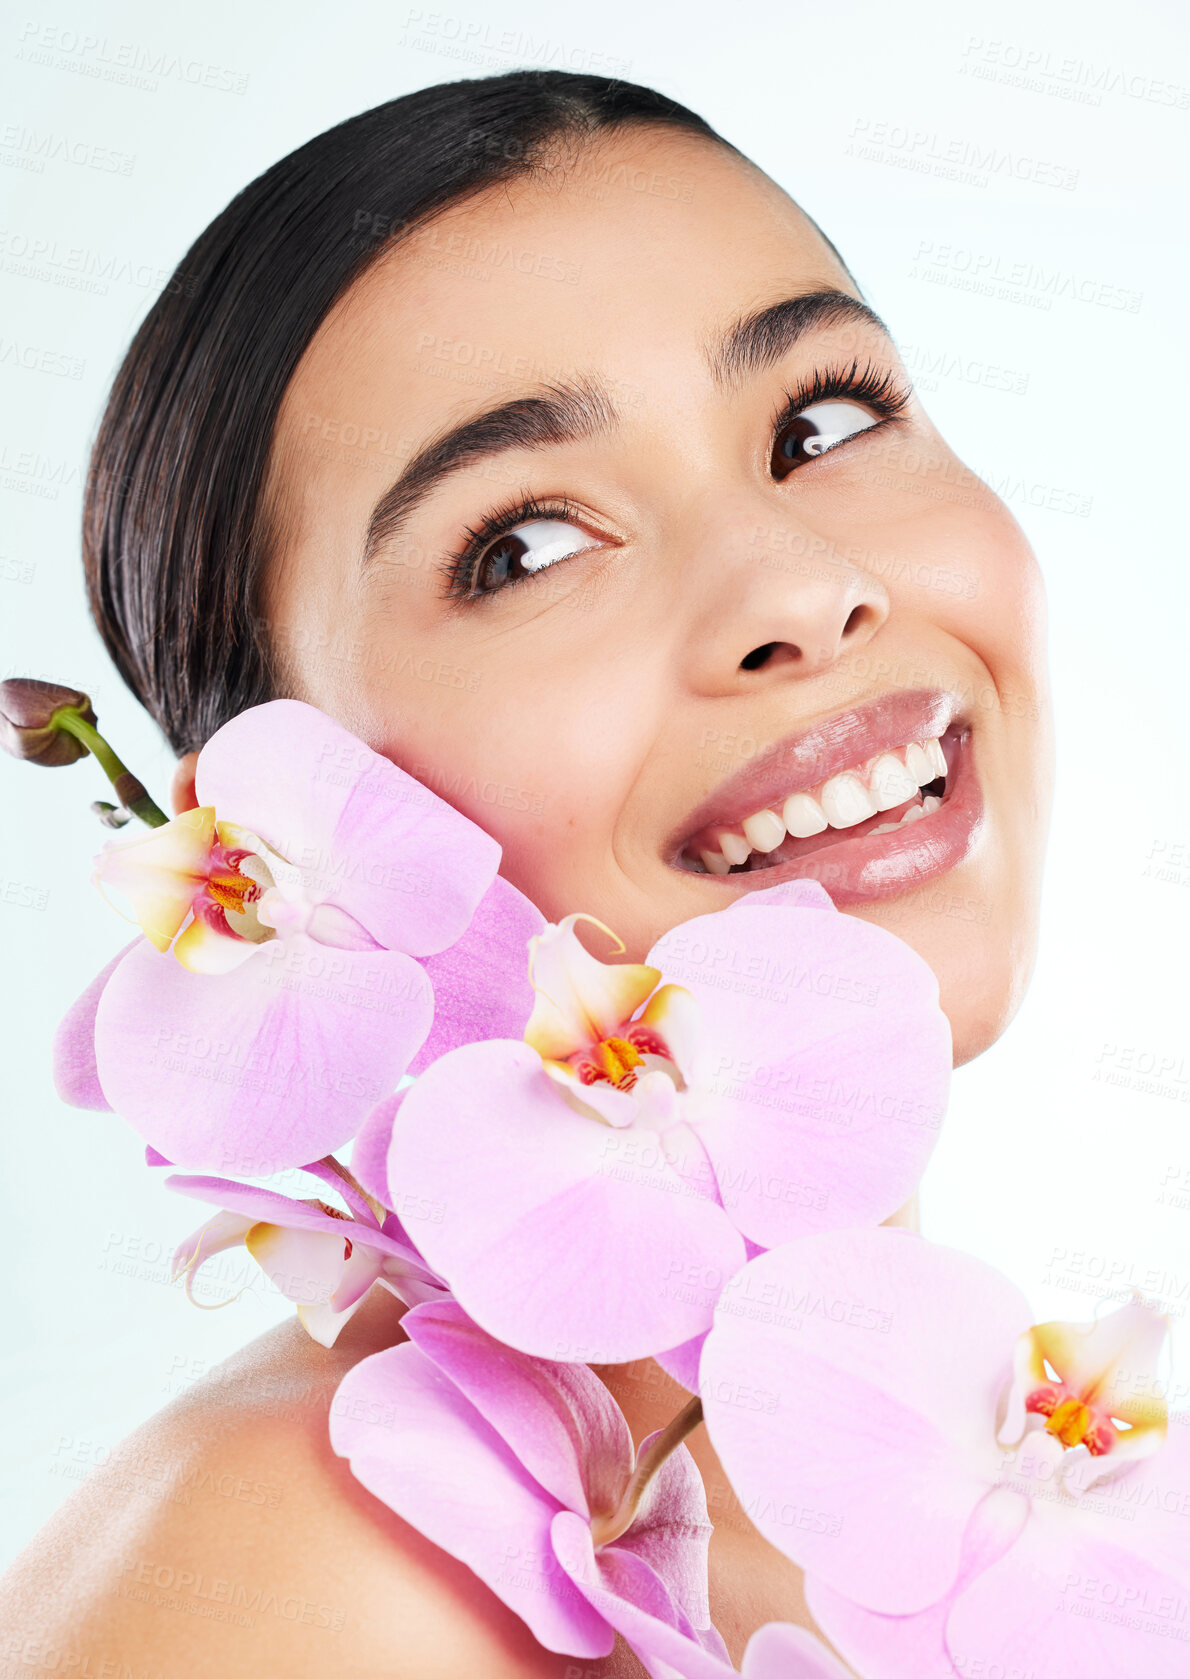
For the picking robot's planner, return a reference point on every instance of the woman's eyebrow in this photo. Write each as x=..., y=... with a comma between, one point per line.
x=563, y=412
x=569, y=411
x=759, y=340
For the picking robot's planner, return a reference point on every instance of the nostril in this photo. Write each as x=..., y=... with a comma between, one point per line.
x=760, y=656
x=854, y=619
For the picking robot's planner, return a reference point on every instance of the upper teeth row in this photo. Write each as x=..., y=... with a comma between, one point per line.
x=841, y=802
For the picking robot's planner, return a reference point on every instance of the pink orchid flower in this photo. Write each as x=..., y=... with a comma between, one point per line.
x=521, y=1468
x=966, y=1494
x=279, y=989
x=321, y=1258
x=773, y=1069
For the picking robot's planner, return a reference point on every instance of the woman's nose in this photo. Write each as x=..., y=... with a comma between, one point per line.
x=776, y=600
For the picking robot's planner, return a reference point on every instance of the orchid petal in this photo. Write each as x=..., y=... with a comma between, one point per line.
x=600, y=1100
x=360, y=1269
x=790, y=894
x=369, y=1152
x=481, y=983
x=671, y=1531
x=580, y=1000
x=1074, y=1600
x=881, y=1646
x=305, y=1266
x=225, y=1230
x=266, y=1206
x=263, y=1068
x=365, y=835
x=677, y=1016
x=206, y=947
x=425, y=1450
x=782, y=1651
x=161, y=872
x=630, y=1597
x=559, y=1419
x=826, y=1058
x=681, y=1362
x=914, y=1646
x=878, y=1360
x=525, y=1183
x=324, y=1324
x=76, y=1077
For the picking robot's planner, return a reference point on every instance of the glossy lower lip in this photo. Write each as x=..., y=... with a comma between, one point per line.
x=860, y=871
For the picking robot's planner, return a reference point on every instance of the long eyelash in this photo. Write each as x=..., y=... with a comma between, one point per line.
x=461, y=565
x=878, y=388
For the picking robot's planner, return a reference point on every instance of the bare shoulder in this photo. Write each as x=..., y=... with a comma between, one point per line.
x=227, y=1538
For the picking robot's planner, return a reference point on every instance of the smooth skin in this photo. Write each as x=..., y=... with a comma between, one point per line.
x=579, y=716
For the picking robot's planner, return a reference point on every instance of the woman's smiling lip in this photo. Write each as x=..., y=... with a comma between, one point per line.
x=871, y=866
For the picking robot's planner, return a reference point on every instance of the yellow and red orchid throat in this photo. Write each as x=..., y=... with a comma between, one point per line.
x=616, y=1059
x=1075, y=1377
x=582, y=1020
x=196, y=866
x=230, y=888
x=1070, y=1420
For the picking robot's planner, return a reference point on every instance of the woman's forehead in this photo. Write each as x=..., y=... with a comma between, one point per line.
x=627, y=257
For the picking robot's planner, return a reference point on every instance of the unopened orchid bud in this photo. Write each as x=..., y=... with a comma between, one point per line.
x=31, y=725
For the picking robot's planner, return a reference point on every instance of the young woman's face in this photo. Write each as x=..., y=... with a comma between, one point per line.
x=712, y=581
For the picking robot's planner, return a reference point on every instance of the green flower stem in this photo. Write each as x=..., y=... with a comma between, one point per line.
x=605, y=1529
x=129, y=790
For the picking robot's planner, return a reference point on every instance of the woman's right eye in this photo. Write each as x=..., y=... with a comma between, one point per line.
x=815, y=431
x=525, y=549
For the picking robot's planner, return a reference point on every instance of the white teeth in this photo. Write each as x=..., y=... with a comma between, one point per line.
x=890, y=782
x=764, y=831
x=842, y=802
x=918, y=765
x=846, y=801
x=913, y=814
x=803, y=816
x=733, y=847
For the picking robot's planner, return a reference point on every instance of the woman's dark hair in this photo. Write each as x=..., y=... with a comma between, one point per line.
x=175, y=534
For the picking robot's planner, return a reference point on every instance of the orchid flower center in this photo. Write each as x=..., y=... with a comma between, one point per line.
x=605, y=1024
x=228, y=885
x=1088, y=1386
x=203, y=887
x=1070, y=1420
x=615, y=1059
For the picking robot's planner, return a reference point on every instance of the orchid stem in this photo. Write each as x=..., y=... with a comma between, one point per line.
x=129, y=790
x=606, y=1529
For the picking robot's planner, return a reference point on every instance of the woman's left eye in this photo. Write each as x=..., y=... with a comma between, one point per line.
x=524, y=549
x=815, y=430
